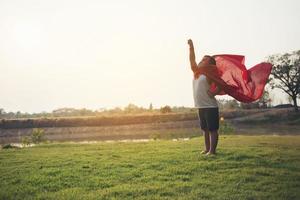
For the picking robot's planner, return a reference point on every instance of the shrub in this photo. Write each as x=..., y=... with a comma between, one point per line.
x=225, y=127
x=155, y=136
x=26, y=141
x=37, y=135
x=166, y=109
x=8, y=146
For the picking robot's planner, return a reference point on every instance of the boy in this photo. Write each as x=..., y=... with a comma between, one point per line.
x=206, y=102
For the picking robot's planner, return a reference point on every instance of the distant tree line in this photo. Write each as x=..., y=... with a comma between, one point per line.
x=132, y=109
x=264, y=102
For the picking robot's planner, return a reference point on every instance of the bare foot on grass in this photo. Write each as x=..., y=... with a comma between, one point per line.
x=204, y=152
x=210, y=153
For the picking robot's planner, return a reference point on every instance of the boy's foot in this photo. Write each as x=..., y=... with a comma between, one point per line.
x=204, y=152
x=210, y=154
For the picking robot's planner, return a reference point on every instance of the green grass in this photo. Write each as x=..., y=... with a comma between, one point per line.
x=246, y=167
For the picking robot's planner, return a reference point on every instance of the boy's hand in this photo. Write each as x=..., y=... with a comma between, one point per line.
x=210, y=94
x=190, y=43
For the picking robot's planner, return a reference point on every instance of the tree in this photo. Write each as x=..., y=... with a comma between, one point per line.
x=2, y=111
x=150, y=107
x=131, y=108
x=166, y=109
x=265, y=100
x=285, y=74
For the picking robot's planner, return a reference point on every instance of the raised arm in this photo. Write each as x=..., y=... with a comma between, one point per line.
x=192, y=56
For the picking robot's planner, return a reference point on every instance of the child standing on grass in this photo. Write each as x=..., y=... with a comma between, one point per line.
x=205, y=102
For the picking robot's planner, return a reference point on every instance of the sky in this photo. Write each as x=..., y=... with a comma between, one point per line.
x=104, y=54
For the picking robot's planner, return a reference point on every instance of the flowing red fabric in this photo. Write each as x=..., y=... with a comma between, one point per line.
x=234, y=79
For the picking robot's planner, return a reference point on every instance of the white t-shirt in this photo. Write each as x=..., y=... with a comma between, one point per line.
x=201, y=98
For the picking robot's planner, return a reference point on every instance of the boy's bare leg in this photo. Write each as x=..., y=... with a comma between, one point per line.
x=206, y=141
x=214, y=137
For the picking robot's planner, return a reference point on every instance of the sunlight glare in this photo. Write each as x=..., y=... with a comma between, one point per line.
x=27, y=36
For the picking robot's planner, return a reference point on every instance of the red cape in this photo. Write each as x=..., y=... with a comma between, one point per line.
x=234, y=79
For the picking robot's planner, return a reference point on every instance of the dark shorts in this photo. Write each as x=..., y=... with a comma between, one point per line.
x=209, y=118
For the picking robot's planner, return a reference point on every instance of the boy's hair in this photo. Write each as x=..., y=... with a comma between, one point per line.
x=212, y=60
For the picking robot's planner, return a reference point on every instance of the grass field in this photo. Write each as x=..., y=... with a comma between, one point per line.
x=246, y=167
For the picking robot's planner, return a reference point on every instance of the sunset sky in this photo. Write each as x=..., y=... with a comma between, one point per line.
x=95, y=54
